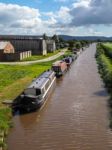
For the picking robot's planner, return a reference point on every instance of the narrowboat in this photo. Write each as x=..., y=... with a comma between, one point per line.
x=68, y=61
x=59, y=67
x=73, y=56
x=36, y=94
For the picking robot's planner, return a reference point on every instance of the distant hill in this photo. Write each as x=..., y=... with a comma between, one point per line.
x=91, y=38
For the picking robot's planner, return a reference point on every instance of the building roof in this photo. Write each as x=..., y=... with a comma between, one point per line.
x=3, y=45
x=20, y=37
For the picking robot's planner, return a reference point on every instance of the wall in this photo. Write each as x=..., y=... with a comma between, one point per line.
x=24, y=55
x=1, y=55
x=17, y=56
x=26, y=45
x=44, y=47
x=51, y=47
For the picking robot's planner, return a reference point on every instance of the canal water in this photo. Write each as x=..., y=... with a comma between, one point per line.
x=75, y=117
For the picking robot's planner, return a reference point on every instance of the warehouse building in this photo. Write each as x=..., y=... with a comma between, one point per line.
x=35, y=44
x=8, y=53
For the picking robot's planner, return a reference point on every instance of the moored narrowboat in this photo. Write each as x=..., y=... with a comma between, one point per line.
x=73, y=56
x=35, y=95
x=59, y=67
x=68, y=61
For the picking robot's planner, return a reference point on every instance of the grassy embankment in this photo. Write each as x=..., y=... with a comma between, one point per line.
x=38, y=57
x=104, y=59
x=13, y=80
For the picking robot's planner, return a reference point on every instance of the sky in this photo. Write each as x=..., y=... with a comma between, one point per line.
x=67, y=17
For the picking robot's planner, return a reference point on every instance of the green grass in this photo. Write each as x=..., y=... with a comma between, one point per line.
x=105, y=69
x=5, y=124
x=4, y=118
x=38, y=57
x=107, y=47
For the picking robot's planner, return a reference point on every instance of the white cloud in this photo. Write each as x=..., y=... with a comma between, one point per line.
x=83, y=14
x=63, y=15
x=81, y=3
x=91, y=31
x=61, y=18
x=88, y=12
x=16, y=19
x=13, y=17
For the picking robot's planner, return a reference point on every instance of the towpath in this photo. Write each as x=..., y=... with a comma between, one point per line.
x=36, y=61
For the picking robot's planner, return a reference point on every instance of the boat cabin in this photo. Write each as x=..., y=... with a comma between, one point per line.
x=40, y=85
x=68, y=60
x=59, y=67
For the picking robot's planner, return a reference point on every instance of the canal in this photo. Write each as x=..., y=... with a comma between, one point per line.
x=75, y=117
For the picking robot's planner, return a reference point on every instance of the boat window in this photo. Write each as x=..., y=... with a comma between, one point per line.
x=30, y=91
x=56, y=68
x=67, y=60
x=38, y=91
x=47, y=85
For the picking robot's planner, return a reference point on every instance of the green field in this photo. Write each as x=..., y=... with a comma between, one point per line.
x=108, y=45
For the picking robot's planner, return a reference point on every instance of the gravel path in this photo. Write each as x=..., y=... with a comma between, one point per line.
x=36, y=61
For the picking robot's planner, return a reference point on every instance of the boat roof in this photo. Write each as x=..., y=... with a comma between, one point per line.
x=46, y=74
x=41, y=80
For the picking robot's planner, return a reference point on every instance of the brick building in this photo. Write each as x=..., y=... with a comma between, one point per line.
x=6, y=48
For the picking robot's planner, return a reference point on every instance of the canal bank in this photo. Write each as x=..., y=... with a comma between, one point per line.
x=75, y=116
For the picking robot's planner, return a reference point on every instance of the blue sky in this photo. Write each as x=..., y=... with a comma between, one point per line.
x=42, y=5
x=71, y=17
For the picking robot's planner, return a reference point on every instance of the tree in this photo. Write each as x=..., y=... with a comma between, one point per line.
x=78, y=45
x=55, y=38
x=71, y=44
x=45, y=37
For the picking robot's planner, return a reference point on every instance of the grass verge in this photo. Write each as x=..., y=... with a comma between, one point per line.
x=105, y=69
x=38, y=57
